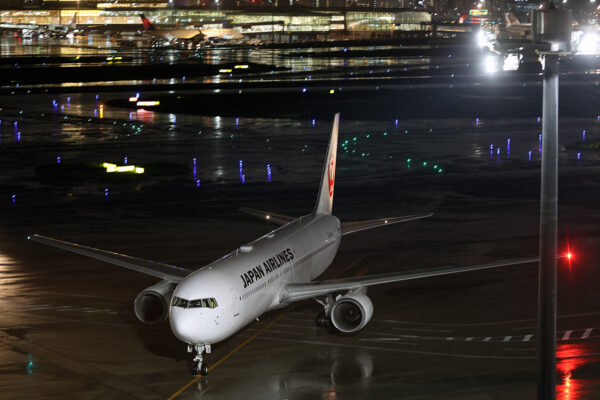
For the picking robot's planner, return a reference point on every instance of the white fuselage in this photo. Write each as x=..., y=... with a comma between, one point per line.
x=248, y=282
x=175, y=34
x=514, y=32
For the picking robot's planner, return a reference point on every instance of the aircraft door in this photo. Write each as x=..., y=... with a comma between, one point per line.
x=236, y=301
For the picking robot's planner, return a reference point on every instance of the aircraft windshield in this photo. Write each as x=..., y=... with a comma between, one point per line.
x=183, y=303
x=179, y=302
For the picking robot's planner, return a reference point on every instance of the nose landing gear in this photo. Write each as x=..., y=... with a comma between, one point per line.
x=198, y=366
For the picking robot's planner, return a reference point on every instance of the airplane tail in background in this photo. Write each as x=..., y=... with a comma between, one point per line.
x=325, y=199
x=74, y=20
x=510, y=19
x=147, y=24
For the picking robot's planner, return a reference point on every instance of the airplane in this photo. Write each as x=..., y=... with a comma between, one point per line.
x=171, y=35
x=514, y=29
x=208, y=305
x=33, y=30
x=192, y=33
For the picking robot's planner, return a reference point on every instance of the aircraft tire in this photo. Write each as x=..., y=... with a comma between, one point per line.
x=322, y=320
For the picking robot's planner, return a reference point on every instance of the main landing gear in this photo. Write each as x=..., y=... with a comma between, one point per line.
x=198, y=366
x=323, y=319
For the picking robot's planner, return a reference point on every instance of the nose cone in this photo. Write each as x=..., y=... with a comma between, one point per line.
x=186, y=324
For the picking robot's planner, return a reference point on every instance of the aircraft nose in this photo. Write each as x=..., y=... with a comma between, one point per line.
x=184, y=326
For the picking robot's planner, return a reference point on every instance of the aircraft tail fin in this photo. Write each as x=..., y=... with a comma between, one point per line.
x=73, y=20
x=146, y=23
x=325, y=198
x=510, y=19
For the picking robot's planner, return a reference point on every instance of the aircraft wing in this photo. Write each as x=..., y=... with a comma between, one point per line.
x=297, y=292
x=278, y=219
x=167, y=272
x=351, y=227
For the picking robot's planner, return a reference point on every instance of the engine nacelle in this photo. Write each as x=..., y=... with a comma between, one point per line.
x=151, y=306
x=352, y=312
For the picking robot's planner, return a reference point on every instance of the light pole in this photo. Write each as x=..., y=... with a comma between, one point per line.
x=551, y=26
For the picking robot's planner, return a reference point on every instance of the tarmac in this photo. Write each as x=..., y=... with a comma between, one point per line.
x=68, y=330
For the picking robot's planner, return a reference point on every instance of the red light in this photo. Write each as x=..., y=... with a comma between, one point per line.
x=569, y=256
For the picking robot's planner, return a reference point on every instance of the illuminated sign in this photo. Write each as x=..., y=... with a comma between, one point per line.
x=124, y=168
x=241, y=67
x=224, y=70
x=148, y=103
x=478, y=12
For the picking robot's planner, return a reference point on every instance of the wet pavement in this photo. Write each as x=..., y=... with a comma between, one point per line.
x=68, y=330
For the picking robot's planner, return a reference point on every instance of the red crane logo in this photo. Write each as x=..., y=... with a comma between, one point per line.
x=331, y=174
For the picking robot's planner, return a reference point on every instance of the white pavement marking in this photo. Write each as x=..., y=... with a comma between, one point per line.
x=507, y=338
x=527, y=338
x=469, y=339
x=392, y=349
x=566, y=335
x=420, y=329
x=587, y=333
x=388, y=340
x=487, y=339
x=449, y=338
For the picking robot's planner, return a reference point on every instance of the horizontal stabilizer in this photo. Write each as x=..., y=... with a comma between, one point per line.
x=351, y=227
x=277, y=219
x=167, y=272
x=297, y=292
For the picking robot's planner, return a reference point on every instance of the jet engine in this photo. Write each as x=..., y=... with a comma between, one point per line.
x=352, y=311
x=151, y=306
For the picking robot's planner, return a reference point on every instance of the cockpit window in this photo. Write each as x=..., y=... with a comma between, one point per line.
x=206, y=303
x=196, y=303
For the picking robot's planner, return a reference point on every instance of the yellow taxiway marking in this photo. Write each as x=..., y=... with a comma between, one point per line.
x=232, y=352
x=251, y=338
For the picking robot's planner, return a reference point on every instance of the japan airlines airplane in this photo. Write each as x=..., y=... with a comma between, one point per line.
x=208, y=305
x=514, y=29
x=191, y=33
x=171, y=35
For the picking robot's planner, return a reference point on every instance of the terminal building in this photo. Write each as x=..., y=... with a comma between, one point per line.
x=295, y=23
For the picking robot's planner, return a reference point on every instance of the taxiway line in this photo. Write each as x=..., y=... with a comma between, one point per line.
x=251, y=338
x=228, y=355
